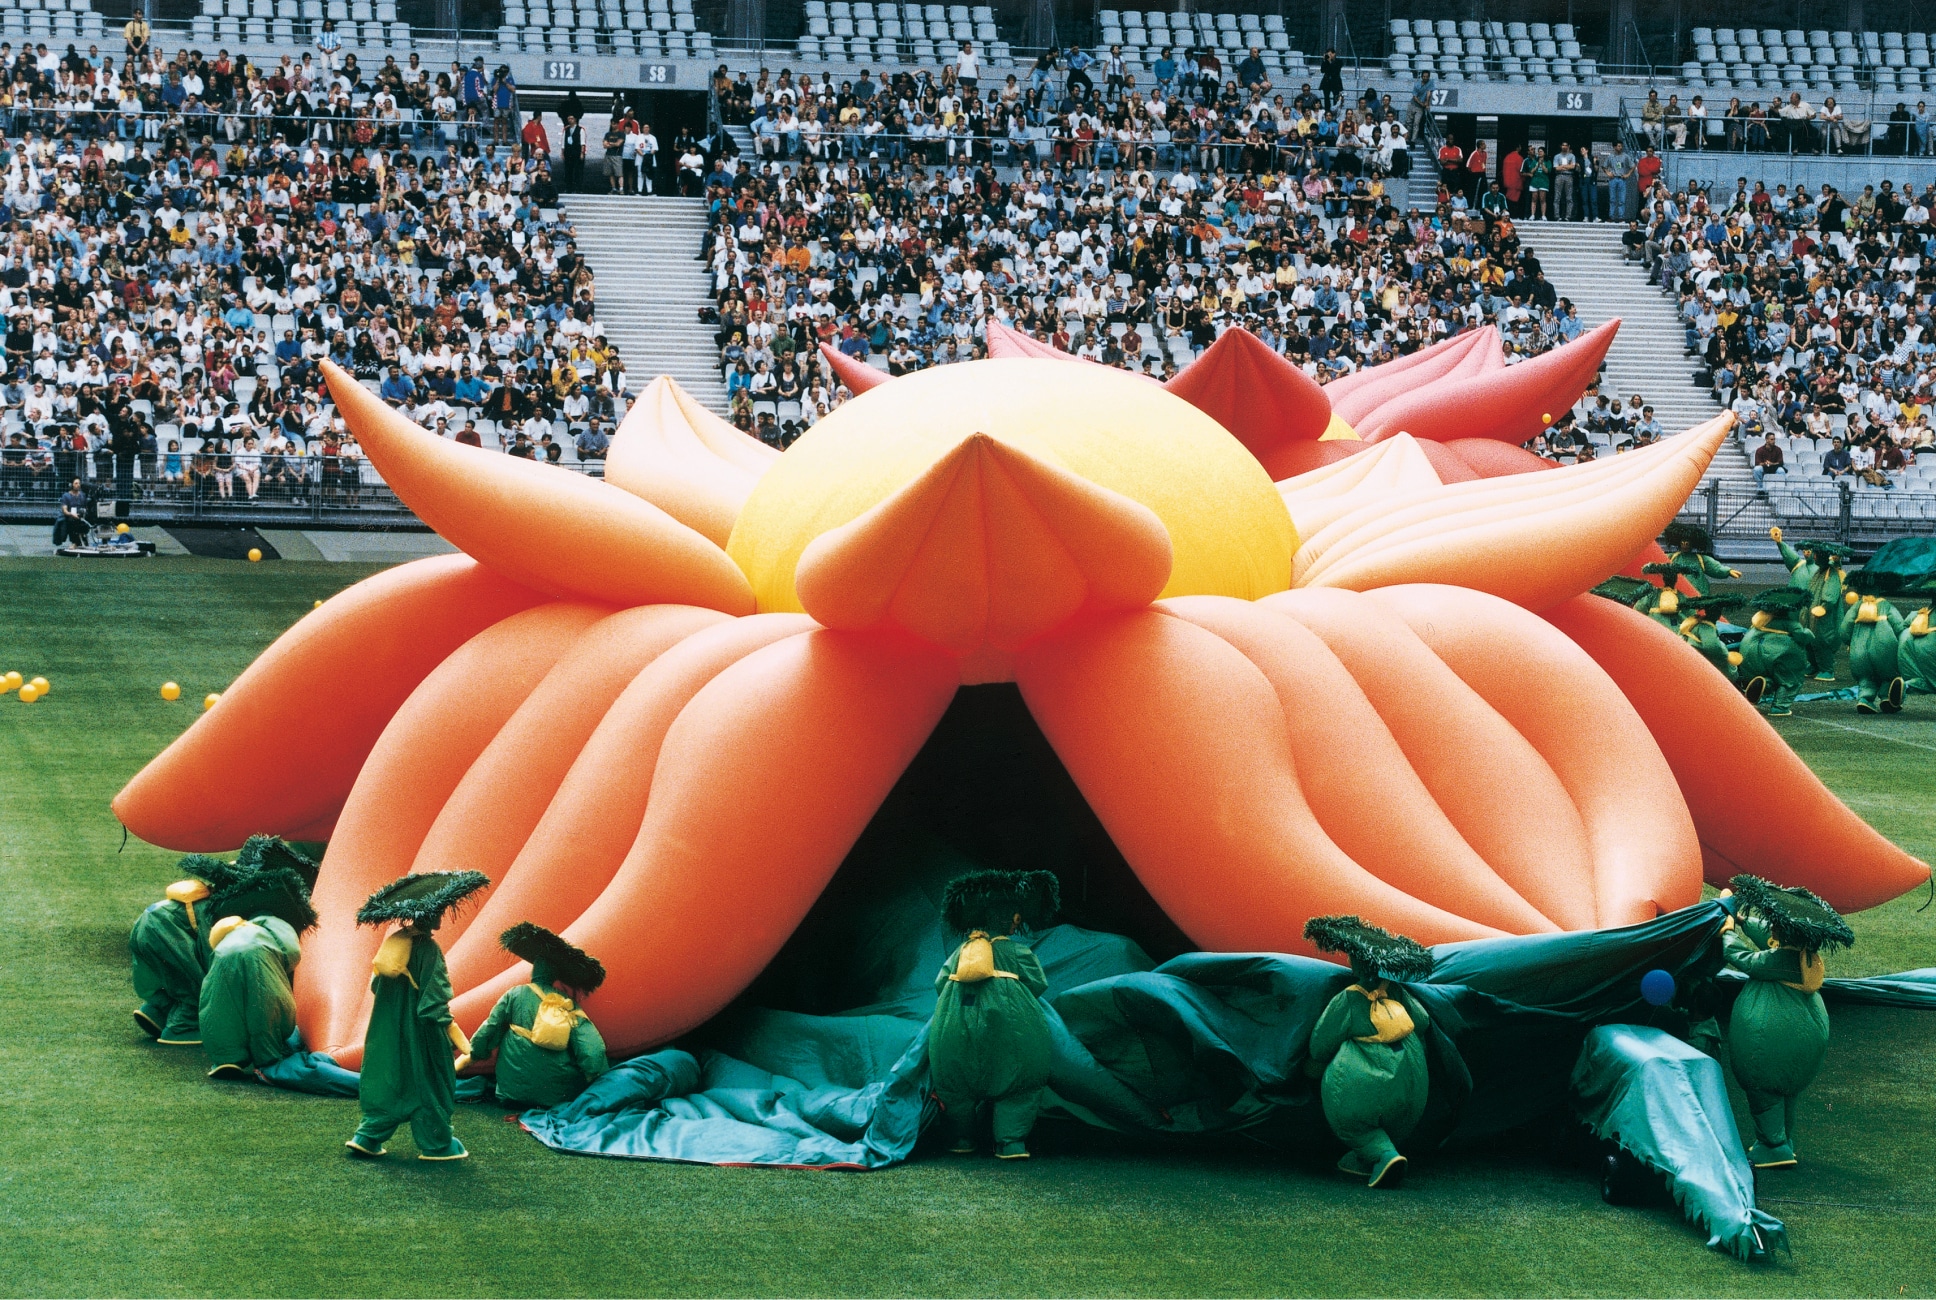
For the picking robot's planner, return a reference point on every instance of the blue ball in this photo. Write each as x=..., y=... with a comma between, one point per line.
x=1657, y=988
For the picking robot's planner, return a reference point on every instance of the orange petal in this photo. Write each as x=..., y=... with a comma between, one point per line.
x=732, y=854
x=1359, y=783
x=1389, y=470
x=1490, y=458
x=493, y=810
x=1572, y=713
x=1511, y=404
x=591, y=822
x=1492, y=782
x=685, y=460
x=1359, y=394
x=1263, y=400
x=424, y=752
x=1534, y=539
x=280, y=753
x=1179, y=744
x=984, y=550
x=1756, y=806
x=1006, y=342
x=546, y=527
x=857, y=375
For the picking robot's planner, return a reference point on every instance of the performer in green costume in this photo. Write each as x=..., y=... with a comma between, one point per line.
x=1375, y=1073
x=989, y=1041
x=547, y=1049
x=169, y=949
x=1662, y=603
x=1698, y=629
x=1916, y=649
x=1776, y=648
x=248, y=1000
x=1778, y=1033
x=1689, y=546
x=408, y=1072
x=1874, y=630
x=1816, y=568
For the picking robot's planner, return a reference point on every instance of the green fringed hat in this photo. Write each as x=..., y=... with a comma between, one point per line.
x=1373, y=951
x=213, y=872
x=265, y=889
x=1665, y=567
x=991, y=900
x=1821, y=547
x=1716, y=604
x=268, y=851
x=1686, y=537
x=1866, y=582
x=1799, y=918
x=1783, y=600
x=552, y=959
x=421, y=898
x=1624, y=589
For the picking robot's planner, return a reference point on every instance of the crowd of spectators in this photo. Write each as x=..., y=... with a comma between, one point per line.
x=1810, y=312
x=183, y=239
x=894, y=219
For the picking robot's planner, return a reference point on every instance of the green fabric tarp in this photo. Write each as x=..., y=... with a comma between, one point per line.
x=1666, y=1104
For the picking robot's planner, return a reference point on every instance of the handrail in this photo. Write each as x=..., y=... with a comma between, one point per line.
x=1640, y=45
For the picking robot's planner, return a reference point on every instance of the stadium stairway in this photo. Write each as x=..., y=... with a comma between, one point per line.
x=644, y=252
x=1587, y=264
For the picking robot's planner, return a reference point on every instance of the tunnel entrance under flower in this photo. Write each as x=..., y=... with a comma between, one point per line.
x=986, y=790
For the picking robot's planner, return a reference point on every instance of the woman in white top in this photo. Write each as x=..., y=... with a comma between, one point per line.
x=248, y=466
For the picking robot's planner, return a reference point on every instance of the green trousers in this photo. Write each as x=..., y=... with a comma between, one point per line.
x=1011, y=1115
x=429, y=1129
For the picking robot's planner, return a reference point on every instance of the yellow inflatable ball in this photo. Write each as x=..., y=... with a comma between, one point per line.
x=317, y=605
x=28, y=694
x=40, y=684
x=120, y=528
x=208, y=701
x=255, y=554
x=11, y=682
x=170, y=691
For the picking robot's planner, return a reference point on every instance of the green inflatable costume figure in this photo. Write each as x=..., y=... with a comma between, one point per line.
x=1778, y=1033
x=408, y=1072
x=1776, y=649
x=1689, y=546
x=1816, y=568
x=248, y=1003
x=1916, y=649
x=1699, y=630
x=989, y=1044
x=168, y=946
x=1375, y=1072
x=547, y=1049
x=1662, y=603
x=1874, y=630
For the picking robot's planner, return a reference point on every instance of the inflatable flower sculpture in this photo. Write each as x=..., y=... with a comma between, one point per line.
x=1304, y=651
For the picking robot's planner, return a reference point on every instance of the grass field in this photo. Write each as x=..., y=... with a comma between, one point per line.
x=126, y=1173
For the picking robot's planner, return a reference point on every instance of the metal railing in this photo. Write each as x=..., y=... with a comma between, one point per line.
x=1855, y=514
x=1779, y=135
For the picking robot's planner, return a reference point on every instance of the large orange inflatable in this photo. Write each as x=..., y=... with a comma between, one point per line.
x=1292, y=669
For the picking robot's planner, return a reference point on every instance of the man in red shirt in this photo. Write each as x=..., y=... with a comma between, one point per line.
x=1475, y=166
x=1451, y=165
x=536, y=143
x=1646, y=172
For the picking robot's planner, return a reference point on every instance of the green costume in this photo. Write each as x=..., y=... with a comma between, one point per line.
x=989, y=1042
x=544, y=1064
x=169, y=948
x=248, y=999
x=1662, y=603
x=1778, y=1033
x=1916, y=651
x=1376, y=1077
x=408, y=1072
x=1874, y=630
x=1698, y=629
x=1776, y=648
x=1690, y=547
x=1816, y=568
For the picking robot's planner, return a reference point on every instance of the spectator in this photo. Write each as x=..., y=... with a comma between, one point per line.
x=1768, y=459
x=71, y=525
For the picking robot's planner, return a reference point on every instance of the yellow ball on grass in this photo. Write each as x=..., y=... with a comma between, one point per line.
x=28, y=694
x=40, y=685
x=170, y=691
x=254, y=554
x=11, y=682
x=208, y=701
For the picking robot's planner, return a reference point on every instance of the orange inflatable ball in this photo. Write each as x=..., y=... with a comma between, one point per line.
x=40, y=685
x=255, y=554
x=208, y=701
x=28, y=694
x=170, y=691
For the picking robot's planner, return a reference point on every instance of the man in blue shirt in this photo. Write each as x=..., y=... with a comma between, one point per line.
x=1165, y=70
x=398, y=389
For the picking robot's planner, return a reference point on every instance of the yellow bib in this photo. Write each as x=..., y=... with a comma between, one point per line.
x=1389, y=1019
x=393, y=958
x=1670, y=601
x=551, y=1027
x=187, y=893
x=1814, y=970
x=977, y=961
